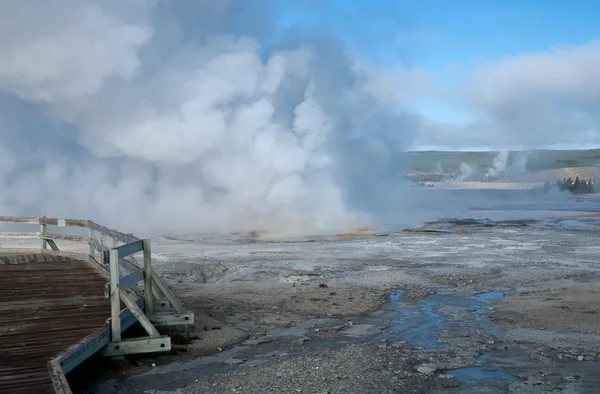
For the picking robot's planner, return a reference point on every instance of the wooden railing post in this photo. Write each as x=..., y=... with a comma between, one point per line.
x=148, y=303
x=43, y=235
x=91, y=236
x=115, y=296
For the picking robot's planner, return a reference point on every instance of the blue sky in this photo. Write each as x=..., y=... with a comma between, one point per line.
x=447, y=38
x=433, y=33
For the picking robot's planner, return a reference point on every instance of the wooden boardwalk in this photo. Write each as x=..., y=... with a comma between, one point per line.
x=46, y=306
x=58, y=309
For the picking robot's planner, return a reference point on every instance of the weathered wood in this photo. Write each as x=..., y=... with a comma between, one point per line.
x=98, y=247
x=115, y=297
x=131, y=279
x=59, y=381
x=65, y=237
x=148, y=277
x=63, y=222
x=139, y=315
x=42, y=235
x=114, y=234
x=167, y=293
x=91, y=245
x=89, y=346
x=129, y=249
x=19, y=219
x=52, y=245
x=136, y=346
x=172, y=319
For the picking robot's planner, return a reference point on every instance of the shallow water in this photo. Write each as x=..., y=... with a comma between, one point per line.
x=471, y=375
x=489, y=295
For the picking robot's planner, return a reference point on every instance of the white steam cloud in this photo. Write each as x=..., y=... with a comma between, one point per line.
x=141, y=116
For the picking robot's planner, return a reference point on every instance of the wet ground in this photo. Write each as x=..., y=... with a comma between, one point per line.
x=491, y=303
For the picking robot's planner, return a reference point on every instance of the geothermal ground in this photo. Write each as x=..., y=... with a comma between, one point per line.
x=455, y=306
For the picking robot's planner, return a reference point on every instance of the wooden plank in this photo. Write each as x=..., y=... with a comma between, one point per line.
x=167, y=293
x=139, y=315
x=114, y=234
x=63, y=222
x=115, y=292
x=65, y=237
x=83, y=350
x=93, y=343
x=89, y=240
x=148, y=278
x=97, y=246
x=59, y=381
x=172, y=319
x=42, y=235
x=52, y=245
x=129, y=249
x=136, y=346
x=19, y=219
x=131, y=279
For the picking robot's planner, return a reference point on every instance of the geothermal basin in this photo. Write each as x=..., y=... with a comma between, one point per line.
x=502, y=298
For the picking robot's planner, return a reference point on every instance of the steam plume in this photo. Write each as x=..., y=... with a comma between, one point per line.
x=174, y=116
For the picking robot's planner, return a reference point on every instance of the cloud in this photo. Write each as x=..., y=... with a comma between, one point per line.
x=138, y=115
x=540, y=98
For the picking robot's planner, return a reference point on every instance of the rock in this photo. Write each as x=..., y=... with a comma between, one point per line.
x=302, y=340
x=153, y=365
x=535, y=382
x=426, y=368
x=234, y=361
x=323, y=285
x=278, y=374
x=258, y=341
x=579, y=358
x=449, y=383
x=445, y=376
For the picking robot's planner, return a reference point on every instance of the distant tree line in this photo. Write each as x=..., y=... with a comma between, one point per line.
x=576, y=186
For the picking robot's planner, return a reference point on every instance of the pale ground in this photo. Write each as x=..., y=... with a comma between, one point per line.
x=256, y=303
x=486, y=185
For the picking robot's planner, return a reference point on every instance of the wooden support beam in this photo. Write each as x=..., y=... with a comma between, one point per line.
x=91, y=245
x=139, y=315
x=43, y=236
x=167, y=293
x=172, y=319
x=131, y=279
x=114, y=234
x=148, y=303
x=115, y=297
x=52, y=245
x=131, y=267
x=136, y=346
x=130, y=248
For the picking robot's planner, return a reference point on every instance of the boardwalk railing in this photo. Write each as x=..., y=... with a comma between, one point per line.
x=152, y=304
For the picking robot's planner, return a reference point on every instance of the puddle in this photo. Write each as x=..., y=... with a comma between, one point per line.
x=420, y=322
x=474, y=375
x=433, y=322
x=301, y=329
x=484, y=357
x=489, y=295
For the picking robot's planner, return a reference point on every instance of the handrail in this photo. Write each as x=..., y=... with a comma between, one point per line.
x=108, y=342
x=94, y=229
